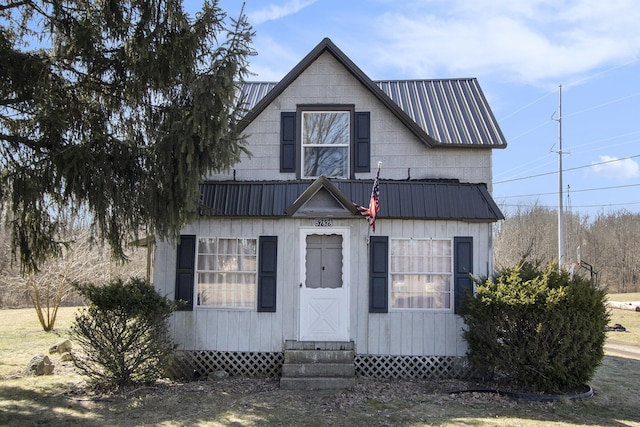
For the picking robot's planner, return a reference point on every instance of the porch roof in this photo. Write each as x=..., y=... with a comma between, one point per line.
x=435, y=200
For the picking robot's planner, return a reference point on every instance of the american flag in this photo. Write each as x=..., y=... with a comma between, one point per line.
x=371, y=213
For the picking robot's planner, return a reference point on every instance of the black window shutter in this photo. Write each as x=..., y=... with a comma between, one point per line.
x=185, y=269
x=287, y=142
x=363, y=142
x=463, y=266
x=378, y=274
x=267, y=266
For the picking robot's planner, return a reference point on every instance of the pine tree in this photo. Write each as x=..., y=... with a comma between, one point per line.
x=119, y=108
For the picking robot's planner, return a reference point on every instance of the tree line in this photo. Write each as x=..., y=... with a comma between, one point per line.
x=609, y=242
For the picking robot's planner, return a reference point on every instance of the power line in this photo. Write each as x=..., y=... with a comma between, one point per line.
x=574, y=83
x=566, y=170
x=602, y=105
x=513, y=113
x=573, y=191
x=571, y=149
x=608, y=205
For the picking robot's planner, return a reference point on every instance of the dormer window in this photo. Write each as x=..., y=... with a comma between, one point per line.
x=326, y=138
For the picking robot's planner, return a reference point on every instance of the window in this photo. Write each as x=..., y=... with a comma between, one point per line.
x=226, y=272
x=326, y=137
x=421, y=274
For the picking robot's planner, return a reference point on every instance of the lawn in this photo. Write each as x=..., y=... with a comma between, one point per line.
x=627, y=318
x=61, y=399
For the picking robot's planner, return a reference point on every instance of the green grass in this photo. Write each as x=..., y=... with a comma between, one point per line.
x=633, y=296
x=22, y=337
x=60, y=399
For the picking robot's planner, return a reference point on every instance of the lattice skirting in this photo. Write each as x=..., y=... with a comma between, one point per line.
x=411, y=367
x=197, y=364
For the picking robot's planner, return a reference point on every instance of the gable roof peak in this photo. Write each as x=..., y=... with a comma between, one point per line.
x=326, y=45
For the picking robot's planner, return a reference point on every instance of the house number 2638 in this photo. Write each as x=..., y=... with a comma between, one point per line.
x=324, y=223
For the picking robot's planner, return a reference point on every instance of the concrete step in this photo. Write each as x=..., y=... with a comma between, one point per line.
x=318, y=345
x=319, y=370
x=318, y=356
x=324, y=383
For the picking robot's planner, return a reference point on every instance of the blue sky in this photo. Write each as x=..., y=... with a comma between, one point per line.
x=520, y=51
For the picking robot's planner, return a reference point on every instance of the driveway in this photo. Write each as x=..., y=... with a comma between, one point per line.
x=621, y=348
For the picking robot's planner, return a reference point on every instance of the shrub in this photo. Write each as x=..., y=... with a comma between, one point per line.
x=537, y=329
x=123, y=333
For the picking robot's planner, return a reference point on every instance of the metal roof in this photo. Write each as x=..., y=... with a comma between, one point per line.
x=442, y=112
x=442, y=200
x=451, y=111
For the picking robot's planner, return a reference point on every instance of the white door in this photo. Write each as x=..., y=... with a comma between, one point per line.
x=324, y=288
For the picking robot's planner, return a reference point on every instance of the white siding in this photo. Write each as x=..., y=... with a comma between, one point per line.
x=326, y=81
x=432, y=333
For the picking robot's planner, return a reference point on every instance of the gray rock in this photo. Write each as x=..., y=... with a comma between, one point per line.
x=66, y=357
x=40, y=365
x=218, y=375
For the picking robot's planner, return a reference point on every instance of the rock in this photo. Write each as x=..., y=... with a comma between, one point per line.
x=66, y=357
x=40, y=365
x=61, y=347
x=218, y=375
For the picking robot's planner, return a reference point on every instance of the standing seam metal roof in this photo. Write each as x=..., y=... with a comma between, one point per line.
x=398, y=199
x=452, y=111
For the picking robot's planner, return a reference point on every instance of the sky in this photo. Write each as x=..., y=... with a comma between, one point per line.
x=523, y=53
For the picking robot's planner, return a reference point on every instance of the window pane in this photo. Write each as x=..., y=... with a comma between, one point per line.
x=330, y=162
x=442, y=264
x=326, y=128
x=413, y=282
x=227, y=273
x=247, y=246
x=228, y=246
x=326, y=137
x=247, y=263
x=207, y=245
x=228, y=262
x=207, y=262
x=400, y=254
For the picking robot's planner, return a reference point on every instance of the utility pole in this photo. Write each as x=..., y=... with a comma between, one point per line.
x=560, y=213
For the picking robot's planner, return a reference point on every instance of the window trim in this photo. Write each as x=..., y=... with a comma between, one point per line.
x=197, y=271
x=451, y=275
x=306, y=108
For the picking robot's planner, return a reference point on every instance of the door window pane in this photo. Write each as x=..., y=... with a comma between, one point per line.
x=323, y=261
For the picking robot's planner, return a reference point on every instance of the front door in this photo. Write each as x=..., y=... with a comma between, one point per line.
x=324, y=290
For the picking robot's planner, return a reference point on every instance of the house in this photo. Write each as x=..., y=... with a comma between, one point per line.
x=281, y=256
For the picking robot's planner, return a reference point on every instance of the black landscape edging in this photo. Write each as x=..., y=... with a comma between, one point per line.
x=532, y=397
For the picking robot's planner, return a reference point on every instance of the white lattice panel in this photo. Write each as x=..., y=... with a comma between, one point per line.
x=199, y=364
x=410, y=367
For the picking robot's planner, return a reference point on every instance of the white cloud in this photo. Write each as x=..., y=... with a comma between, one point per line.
x=611, y=167
x=533, y=42
x=273, y=12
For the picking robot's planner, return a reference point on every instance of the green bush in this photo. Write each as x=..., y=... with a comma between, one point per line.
x=123, y=333
x=537, y=329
